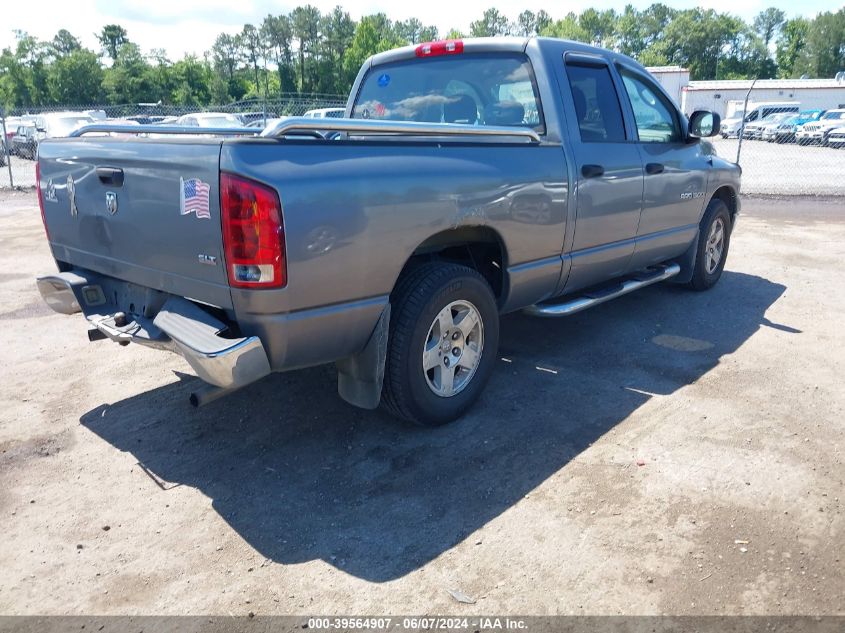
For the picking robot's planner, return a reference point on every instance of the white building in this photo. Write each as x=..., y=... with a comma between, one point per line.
x=672, y=78
x=812, y=94
x=724, y=95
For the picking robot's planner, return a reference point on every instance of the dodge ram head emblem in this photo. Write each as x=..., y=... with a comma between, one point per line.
x=111, y=202
x=71, y=196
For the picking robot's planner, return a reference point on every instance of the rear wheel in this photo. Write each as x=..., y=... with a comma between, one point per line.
x=714, y=238
x=444, y=334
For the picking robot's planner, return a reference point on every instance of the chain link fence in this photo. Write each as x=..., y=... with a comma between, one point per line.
x=22, y=128
x=776, y=158
x=787, y=167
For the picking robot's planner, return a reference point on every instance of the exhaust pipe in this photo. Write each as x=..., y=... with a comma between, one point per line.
x=209, y=393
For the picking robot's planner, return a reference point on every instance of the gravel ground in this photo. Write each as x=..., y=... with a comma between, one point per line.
x=669, y=452
x=787, y=169
x=23, y=173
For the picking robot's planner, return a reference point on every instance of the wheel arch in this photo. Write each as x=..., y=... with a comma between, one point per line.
x=728, y=195
x=478, y=247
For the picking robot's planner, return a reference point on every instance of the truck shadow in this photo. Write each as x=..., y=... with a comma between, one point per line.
x=300, y=475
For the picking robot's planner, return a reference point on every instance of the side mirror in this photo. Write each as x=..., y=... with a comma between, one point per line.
x=703, y=123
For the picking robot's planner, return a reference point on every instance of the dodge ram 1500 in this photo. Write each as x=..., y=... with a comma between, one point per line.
x=468, y=178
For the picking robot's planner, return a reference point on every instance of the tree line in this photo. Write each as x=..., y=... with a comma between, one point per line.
x=308, y=52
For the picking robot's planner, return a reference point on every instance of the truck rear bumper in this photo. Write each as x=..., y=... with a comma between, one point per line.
x=165, y=322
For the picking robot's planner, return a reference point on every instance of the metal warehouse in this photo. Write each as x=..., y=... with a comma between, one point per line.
x=724, y=95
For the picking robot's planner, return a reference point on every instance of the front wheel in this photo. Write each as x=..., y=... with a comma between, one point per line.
x=714, y=238
x=444, y=335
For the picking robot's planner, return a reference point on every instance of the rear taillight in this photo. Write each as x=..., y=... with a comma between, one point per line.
x=253, y=233
x=444, y=47
x=40, y=197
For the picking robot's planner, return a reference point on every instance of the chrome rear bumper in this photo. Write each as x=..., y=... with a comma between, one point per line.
x=179, y=326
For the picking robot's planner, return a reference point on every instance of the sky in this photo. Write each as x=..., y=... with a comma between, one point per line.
x=190, y=26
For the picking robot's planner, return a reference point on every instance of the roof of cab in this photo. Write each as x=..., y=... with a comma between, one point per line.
x=507, y=44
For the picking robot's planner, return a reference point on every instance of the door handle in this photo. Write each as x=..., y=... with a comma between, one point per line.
x=110, y=176
x=654, y=168
x=592, y=171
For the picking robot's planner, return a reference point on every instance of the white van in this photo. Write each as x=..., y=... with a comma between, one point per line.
x=756, y=112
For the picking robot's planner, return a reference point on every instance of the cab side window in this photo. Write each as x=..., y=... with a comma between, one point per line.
x=655, y=116
x=596, y=103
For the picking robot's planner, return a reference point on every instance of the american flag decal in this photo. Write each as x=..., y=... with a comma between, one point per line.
x=193, y=198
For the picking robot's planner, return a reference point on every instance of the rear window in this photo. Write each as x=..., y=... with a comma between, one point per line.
x=489, y=89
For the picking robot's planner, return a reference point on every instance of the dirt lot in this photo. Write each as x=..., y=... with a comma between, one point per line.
x=117, y=497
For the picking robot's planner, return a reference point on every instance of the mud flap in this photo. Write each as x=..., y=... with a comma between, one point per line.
x=360, y=377
x=687, y=262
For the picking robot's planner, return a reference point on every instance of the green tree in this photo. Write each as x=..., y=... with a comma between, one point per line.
x=76, y=78
x=306, y=31
x=600, y=26
x=277, y=32
x=491, y=23
x=530, y=23
x=695, y=39
x=14, y=80
x=373, y=34
x=112, y=37
x=767, y=23
x=253, y=49
x=790, y=45
x=745, y=55
x=64, y=43
x=192, y=78
x=129, y=78
x=568, y=29
x=337, y=29
x=824, y=54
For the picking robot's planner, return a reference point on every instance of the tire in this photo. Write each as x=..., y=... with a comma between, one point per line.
x=418, y=313
x=706, y=274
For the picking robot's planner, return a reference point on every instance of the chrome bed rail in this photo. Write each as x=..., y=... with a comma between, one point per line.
x=164, y=129
x=408, y=128
x=301, y=126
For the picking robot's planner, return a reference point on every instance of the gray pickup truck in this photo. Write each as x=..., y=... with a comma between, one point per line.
x=468, y=179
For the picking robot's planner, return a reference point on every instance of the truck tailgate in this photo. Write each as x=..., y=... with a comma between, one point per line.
x=143, y=210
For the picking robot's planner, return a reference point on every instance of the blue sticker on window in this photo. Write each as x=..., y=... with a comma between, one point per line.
x=383, y=80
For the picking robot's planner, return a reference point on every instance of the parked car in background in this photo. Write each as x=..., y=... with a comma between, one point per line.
x=730, y=126
x=260, y=123
x=61, y=124
x=251, y=117
x=145, y=119
x=25, y=141
x=325, y=113
x=756, y=112
x=816, y=132
x=754, y=131
x=836, y=138
x=784, y=131
x=12, y=124
x=209, y=119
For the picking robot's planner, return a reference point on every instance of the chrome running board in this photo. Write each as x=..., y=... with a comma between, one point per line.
x=589, y=299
